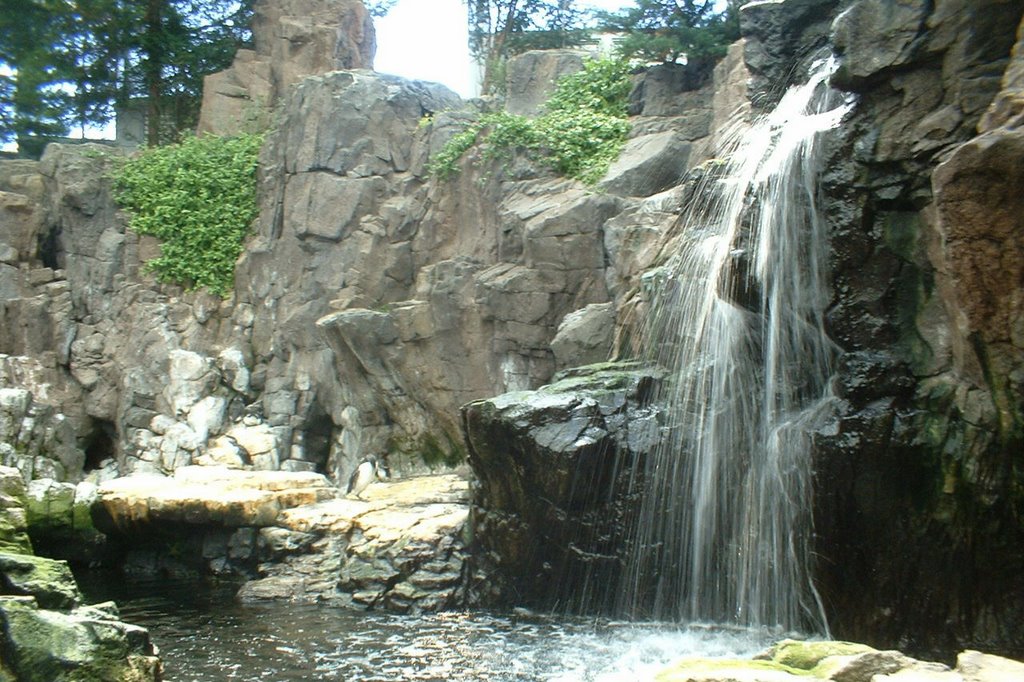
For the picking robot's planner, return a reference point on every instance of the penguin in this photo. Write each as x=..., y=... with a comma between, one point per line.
x=368, y=471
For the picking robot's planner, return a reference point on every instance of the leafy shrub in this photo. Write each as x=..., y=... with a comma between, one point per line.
x=199, y=198
x=581, y=132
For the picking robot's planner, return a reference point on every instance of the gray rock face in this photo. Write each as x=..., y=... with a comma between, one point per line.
x=34, y=437
x=549, y=507
x=530, y=77
x=921, y=434
x=874, y=36
x=372, y=302
x=293, y=39
x=647, y=165
x=585, y=336
x=779, y=34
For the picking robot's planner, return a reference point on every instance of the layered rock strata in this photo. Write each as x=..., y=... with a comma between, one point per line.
x=399, y=546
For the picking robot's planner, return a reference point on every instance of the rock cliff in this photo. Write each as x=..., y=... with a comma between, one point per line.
x=918, y=473
x=372, y=300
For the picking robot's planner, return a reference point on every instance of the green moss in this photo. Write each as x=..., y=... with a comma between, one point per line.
x=600, y=376
x=48, y=580
x=435, y=454
x=806, y=656
x=432, y=451
x=52, y=647
x=686, y=669
x=13, y=540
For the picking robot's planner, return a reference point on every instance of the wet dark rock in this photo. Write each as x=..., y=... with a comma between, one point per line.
x=781, y=40
x=553, y=491
x=917, y=509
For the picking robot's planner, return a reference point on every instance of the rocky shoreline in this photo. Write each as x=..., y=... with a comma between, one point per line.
x=47, y=632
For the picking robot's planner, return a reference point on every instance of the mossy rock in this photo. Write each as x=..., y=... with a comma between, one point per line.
x=48, y=646
x=48, y=580
x=734, y=670
x=13, y=538
x=806, y=656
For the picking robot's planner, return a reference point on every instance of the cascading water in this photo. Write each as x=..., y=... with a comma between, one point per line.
x=724, y=525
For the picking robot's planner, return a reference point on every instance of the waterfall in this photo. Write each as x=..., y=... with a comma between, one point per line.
x=737, y=318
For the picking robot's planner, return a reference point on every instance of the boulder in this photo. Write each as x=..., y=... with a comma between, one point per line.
x=979, y=223
x=530, y=78
x=399, y=548
x=670, y=90
x=47, y=580
x=553, y=489
x=203, y=496
x=792, y=660
x=875, y=35
x=647, y=165
x=584, y=336
x=88, y=643
x=975, y=666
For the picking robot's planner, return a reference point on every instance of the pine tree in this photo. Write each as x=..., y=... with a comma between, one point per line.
x=68, y=63
x=33, y=104
x=670, y=30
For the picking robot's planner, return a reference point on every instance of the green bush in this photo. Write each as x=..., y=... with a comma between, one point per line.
x=199, y=198
x=581, y=132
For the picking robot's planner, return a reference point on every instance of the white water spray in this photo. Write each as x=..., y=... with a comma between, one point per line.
x=724, y=528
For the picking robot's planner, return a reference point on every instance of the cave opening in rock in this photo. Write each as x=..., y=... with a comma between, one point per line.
x=316, y=437
x=48, y=249
x=99, y=444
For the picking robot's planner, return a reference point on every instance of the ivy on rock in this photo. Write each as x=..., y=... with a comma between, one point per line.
x=581, y=132
x=199, y=198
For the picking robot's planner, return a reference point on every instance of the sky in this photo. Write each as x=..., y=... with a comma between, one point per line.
x=426, y=39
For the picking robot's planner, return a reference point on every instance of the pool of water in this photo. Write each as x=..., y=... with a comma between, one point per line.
x=204, y=635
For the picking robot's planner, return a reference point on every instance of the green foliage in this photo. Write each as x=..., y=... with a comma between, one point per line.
x=581, y=132
x=582, y=144
x=199, y=198
x=601, y=87
x=667, y=30
x=68, y=64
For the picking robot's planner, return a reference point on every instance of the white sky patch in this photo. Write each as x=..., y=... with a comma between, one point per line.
x=427, y=40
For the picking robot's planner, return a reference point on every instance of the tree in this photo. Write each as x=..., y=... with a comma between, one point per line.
x=71, y=62
x=33, y=103
x=671, y=30
x=501, y=28
x=379, y=8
